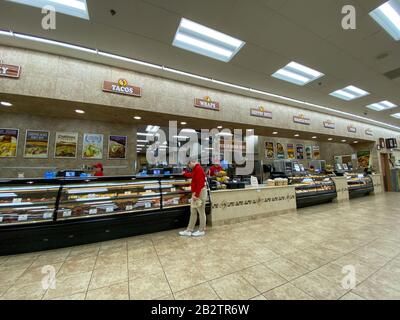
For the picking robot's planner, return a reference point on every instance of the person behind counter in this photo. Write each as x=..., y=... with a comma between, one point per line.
x=199, y=198
x=214, y=170
x=98, y=170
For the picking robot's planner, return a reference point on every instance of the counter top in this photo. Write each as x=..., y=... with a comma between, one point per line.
x=261, y=187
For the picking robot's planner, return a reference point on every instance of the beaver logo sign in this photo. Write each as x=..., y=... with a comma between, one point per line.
x=122, y=87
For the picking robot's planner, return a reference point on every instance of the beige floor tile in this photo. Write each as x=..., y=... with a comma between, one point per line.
x=324, y=253
x=18, y=261
x=114, y=245
x=233, y=287
x=10, y=275
x=286, y=268
x=262, y=278
x=260, y=297
x=51, y=257
x=351, y=296
x=287, y=292
x=167, y=297
x=37, y=274
x=32, y=291
x=363, y=267
x=263, y=254
x=149, y=288
x=77, y=264
x=200, y=292
x=372, y=290
x=144, y=267
x=307, y=260
x=184, y=277
x=319, y=287
x=141, y=253
x=371, y=257
x=111, y=260
x=118, y=291
x=106, y=276
x=337, y=273
x=213, y=268
x=388, y=276
x=76, y=296
x=85, y=250
x=68, y=285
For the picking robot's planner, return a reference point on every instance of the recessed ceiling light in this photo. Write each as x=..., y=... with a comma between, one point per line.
x=355, y=142
x=330, y=139
x=297, y=135
x=297, y=74
x=137, y=118
x=315, y=137
x=183, y=123
x=6, y=104
x=79, y=111
x=76, y=8
x=349, y=93
x=383, y=105
x=388, y=16
x=202, y=40
x=344, y=140
x=275, y=132
x=396, y=115
x=219, y=127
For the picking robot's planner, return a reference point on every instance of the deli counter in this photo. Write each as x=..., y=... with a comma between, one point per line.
x=359, y=185
x=42, y=214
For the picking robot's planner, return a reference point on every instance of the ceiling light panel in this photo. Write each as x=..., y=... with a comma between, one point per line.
x=202, y=40
x=349, y=93
x=388, y=17
x=383, y=105
x=396, y=115
x=297, y=74
x=75, y=8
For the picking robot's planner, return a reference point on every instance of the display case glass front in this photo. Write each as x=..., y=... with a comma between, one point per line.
x=313, y=184
x=176, y=192
x=91, y=198
x=31, y=202
x=358, y=181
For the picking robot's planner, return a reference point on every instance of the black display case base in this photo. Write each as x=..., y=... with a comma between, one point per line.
x=307, y=201
x=18, y=239
x=362, y=192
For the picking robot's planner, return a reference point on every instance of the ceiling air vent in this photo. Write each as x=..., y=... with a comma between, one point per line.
x=393, y=74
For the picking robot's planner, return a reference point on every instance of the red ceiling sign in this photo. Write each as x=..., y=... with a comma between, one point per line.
x=10, y=71
x=122, y=87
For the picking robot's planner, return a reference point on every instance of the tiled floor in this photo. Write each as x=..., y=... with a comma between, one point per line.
x=293, y=256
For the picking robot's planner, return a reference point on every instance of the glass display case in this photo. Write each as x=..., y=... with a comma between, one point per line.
x=31, y=202
x=313, y=189
x=175, y=192
x=359, y=184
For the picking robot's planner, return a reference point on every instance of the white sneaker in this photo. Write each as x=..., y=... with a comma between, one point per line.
x=185, y=233
x=198, y=233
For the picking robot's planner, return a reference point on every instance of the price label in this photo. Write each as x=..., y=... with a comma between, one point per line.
x=173, y=189
x=93, y=211
x=129, y=208
x=23, y=217
x=47, y=215
x=109, y=209
x=17, y=200
x=67, y=213
x=1, y=219
x=147, y=205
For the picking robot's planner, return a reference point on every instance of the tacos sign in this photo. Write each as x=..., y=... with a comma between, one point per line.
x=122, y=87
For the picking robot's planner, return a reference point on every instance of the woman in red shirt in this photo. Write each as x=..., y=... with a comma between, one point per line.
x=199, y=198
x=99, y=171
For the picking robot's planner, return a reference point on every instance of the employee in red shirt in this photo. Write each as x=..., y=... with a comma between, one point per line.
x=199, y=198
x=98, y=170
x=214, y=170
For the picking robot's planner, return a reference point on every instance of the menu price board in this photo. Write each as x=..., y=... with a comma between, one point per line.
x=280, y=151
x=308, y=152
x=36, y=144
x=269, y=150
x=117, y=147
x=290, y=151
x=92, y=146
x=8, y=143
x=316, y=153
x=300, y=152
x=66, y=145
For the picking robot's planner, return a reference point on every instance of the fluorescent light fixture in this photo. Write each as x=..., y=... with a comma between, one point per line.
x=388, y=17
x=230, y=85
x=145, y=134
x=383, y=105
x=152, y=129
x=6, y=33
x=396, y=115
x=297, y=74
x=187, y=74
x=55, y=43
x=349, y=93
x=6, y=104
x=80, y=111
x=202, y=40
x=75, y=8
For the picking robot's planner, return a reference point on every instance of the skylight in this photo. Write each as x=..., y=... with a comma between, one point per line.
x=202, y=40
x=76, y=8
x=383, y=105
x=297, y=74
x=396, y=115
x=349, y=93
x=388, y=16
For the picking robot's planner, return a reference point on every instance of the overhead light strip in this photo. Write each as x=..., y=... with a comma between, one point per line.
x=134, y=61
